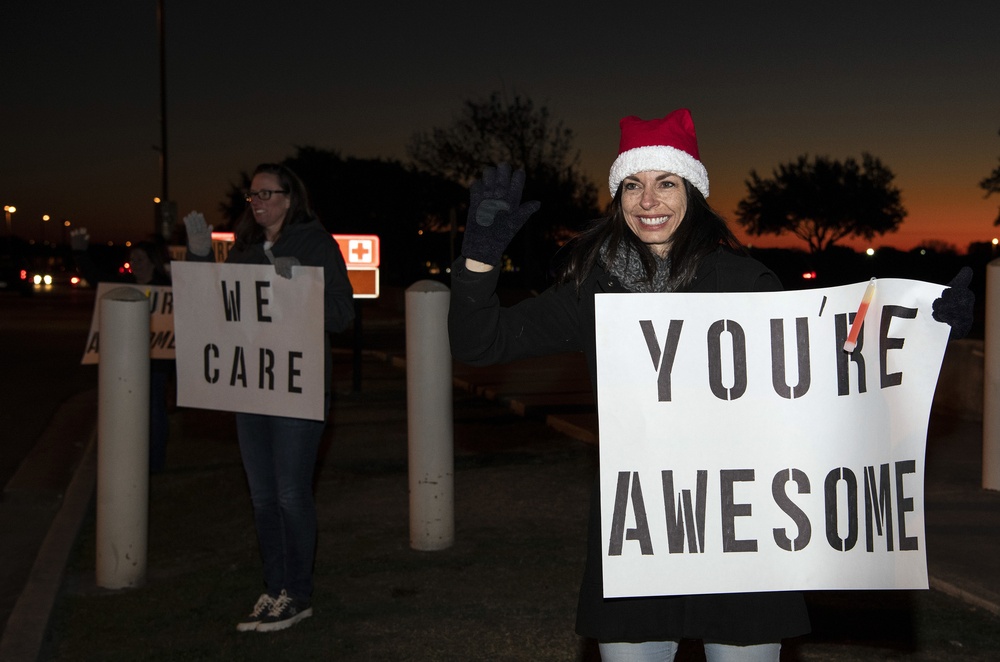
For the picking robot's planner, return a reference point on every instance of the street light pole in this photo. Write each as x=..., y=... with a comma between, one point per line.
x=165, y=221
x=8, y=210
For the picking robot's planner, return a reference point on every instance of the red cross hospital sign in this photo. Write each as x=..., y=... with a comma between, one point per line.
x=361, y=253
x=360, y=250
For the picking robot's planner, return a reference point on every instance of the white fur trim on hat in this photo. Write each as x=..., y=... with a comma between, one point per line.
x=658, y=157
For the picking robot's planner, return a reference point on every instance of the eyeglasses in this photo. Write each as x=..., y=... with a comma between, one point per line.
x=263, y=194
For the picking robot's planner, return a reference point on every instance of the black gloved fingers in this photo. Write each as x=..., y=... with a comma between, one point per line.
x=516, y=187
x=476, y=191
x=518, y=217
x=503, y=181
x=955, y=305
x=490, y=210
x=528, y=208
x=962, y=278
x=496, y=213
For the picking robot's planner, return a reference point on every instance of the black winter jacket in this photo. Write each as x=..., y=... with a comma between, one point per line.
x=561, y=319
x=312, y=246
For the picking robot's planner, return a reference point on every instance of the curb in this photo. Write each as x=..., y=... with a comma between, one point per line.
x=976, y=601
x=29, y=620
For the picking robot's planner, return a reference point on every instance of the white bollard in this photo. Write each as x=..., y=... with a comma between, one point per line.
x=123, y=439
x=430, y=427
x=991, y=380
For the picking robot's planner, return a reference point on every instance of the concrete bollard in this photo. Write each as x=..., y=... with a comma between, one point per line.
x=430, y=427
x=123, y=439
x=991, y=380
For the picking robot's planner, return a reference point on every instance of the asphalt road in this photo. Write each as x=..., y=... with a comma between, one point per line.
x=41, y=341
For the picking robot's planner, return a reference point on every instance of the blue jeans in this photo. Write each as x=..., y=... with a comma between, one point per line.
x=664, y=651
x=279, y=457
x=159, y=422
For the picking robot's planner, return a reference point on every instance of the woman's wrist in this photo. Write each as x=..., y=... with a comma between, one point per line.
x=477, y=266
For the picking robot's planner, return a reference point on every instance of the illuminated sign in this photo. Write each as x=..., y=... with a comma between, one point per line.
x=361, y=252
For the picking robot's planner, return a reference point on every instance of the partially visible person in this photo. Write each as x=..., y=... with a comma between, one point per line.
x=279, y=453
x=149, y=264
x=661, y=236
x=148, y=261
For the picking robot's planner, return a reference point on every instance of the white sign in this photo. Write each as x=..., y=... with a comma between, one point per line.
x=249, y=340
x=742, y=449
x=361, y=251
x=161, y=321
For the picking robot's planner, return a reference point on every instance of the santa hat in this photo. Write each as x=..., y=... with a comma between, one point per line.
x=668, y=144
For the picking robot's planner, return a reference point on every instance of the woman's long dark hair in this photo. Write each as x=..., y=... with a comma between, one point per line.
x=699, y=233
x=247, y=230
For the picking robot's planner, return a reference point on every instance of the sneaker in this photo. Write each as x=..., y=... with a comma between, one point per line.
x=285, y=612
x=264, y=604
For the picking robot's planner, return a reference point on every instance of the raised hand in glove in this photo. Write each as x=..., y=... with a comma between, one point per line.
x=495, y=213
x=283, y=265
x=199, y=234
x=954, y=306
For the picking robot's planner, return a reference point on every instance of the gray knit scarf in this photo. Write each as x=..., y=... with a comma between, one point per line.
x=627, y=267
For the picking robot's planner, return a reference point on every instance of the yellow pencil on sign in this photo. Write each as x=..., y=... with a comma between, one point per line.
x=852, y=335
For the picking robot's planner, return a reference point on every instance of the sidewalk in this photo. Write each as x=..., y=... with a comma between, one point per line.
x=506, y=590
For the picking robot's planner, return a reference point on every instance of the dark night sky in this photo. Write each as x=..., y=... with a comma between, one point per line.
x=914, y=83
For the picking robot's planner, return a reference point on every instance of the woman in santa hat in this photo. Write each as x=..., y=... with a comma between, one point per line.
x=661, y=236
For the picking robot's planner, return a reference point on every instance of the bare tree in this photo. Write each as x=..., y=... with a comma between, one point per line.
x=494, y=130
x=515, y=131
x=823, y=201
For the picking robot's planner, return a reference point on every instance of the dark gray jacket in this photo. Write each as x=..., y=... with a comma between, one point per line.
x=561, y=319
x=312, y=246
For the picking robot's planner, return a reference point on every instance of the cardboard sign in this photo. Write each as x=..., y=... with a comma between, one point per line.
x=742, y=449
x=161, y=321
x=249, y=340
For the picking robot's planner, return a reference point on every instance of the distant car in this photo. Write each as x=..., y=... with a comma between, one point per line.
x=14, y=276
x=58, y=278
x=41, y=280
x=30, y=268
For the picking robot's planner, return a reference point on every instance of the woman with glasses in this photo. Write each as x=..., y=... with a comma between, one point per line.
x=279, y=453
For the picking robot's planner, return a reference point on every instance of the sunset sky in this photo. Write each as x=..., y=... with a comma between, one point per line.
x=914, y=83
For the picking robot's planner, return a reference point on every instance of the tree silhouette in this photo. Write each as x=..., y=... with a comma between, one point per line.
x=823, y=201
x=235, y=201
x=991, y=185
x=372, y=196
x=518, y=132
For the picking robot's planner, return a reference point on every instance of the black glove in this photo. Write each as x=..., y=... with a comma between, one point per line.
x=954, y=306
x=495, y=213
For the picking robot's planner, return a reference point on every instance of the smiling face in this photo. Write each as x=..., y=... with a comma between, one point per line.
x=270, y=213
x=654, y=203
